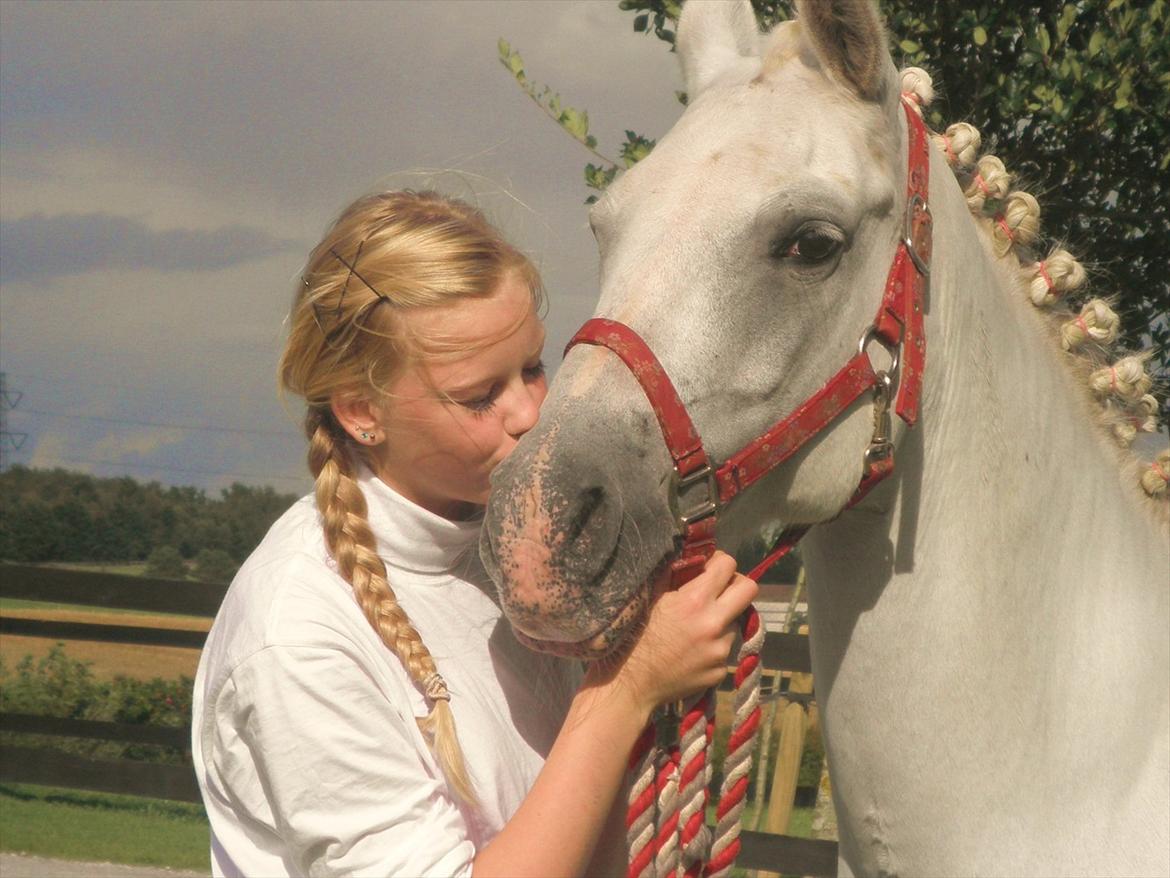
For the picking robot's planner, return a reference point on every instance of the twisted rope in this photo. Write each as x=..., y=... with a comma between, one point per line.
x=666, y=821
x=738, y=762
x=667, y=855
x=695, y=734
x=642, y=816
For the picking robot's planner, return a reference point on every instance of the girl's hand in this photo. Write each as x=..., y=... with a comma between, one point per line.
x=685, y=645
x=683, y=649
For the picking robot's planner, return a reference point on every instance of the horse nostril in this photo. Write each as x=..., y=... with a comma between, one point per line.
x=591, y=499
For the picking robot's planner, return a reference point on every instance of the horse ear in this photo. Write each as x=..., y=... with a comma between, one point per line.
x=712, y=35
x=850, y=40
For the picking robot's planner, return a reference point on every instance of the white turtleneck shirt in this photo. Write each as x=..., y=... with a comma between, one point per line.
x=304, y=738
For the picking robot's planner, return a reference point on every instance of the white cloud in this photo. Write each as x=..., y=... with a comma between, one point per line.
x=134, y=443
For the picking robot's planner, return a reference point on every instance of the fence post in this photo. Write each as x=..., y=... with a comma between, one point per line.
x=793, y=726
x=824, y=822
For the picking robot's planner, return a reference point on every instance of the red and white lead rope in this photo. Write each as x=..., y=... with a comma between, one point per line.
x=665, y=823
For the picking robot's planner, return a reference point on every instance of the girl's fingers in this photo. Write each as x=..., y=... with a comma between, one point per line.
x=738, y=595
x=716, y=575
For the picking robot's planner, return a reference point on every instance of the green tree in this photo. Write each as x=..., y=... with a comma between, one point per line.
x=57, y=515
x=165, y=562
x=214, y=565
x=1073, y=96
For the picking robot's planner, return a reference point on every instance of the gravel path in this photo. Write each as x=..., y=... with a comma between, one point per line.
x=20, y=866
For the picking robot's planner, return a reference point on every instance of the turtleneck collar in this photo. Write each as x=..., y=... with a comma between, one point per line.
x=412, y=538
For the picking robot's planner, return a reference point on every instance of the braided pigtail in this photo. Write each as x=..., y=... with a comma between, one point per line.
x=386, y=255
x=347, y=533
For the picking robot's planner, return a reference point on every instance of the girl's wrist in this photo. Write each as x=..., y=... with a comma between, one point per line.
x=612, y=696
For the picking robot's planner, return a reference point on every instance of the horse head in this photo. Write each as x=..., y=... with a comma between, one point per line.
x=749, y=251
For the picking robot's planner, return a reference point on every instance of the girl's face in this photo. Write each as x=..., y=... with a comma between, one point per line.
x=449, y=420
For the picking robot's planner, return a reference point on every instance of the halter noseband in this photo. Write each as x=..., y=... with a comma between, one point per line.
x=698, y=488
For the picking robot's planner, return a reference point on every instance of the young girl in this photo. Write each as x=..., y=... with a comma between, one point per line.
x=361, y=706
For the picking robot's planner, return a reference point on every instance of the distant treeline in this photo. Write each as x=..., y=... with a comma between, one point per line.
x=57, y=515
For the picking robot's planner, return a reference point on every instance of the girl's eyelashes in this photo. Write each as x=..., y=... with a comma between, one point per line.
x=484, y=404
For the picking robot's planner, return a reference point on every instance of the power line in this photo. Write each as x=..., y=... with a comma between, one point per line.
x=8, y=400
x=173, y=469
x=81, y=382
x=242, y=431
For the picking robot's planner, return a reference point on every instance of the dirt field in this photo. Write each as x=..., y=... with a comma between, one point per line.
x=108, y=660
x=20, y=866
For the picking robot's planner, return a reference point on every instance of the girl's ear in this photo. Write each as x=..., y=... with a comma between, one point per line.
x=356, y=417
x=712, y=36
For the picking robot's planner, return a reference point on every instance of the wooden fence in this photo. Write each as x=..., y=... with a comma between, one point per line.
x=761, y=850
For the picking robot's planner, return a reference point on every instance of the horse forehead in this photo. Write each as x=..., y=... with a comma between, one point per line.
x=746, y=141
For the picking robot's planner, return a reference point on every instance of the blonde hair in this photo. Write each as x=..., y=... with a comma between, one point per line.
x=386, y=254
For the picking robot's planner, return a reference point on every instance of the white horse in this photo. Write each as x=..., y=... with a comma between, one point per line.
x=990, y=626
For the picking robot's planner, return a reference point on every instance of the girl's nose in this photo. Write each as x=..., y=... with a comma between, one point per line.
x=525, y=408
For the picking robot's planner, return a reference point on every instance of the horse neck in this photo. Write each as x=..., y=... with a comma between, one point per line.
x=1008, y=499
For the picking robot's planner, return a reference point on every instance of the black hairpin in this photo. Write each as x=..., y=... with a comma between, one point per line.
x=358, y=318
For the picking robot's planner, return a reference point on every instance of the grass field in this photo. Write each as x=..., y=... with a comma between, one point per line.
x=75, y=825
x=129, y=568
x=106, y=660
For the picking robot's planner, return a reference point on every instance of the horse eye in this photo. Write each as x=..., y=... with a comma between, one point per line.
x=813, y=243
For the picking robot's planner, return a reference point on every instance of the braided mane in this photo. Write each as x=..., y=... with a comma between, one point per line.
x=1115, y=381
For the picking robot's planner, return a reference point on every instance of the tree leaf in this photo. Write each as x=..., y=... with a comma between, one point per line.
x=1067, y=16
x=575, y=122
x=979, y=35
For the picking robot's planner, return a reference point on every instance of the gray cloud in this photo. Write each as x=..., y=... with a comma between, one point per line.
x=269, y=116
x=38, y=247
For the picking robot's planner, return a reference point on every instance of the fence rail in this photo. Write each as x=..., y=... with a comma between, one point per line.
x=20, y=764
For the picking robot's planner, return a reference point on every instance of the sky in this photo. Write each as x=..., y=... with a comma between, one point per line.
x=166, y=167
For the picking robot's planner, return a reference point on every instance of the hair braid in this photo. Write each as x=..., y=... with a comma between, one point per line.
x=351, y=542
x=349, y=337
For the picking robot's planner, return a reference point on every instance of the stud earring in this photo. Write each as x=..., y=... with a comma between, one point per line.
x=367, y=436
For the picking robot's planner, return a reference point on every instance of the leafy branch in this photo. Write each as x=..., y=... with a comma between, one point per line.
x=576, y=123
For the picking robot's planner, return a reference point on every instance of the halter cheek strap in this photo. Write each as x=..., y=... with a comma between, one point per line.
x=699, y=489
x=692, y=468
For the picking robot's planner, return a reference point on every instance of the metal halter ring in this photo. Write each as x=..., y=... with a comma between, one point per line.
x=916, y=201
x=894, y=350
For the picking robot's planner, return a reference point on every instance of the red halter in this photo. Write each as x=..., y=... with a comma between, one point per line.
x=898, y=327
